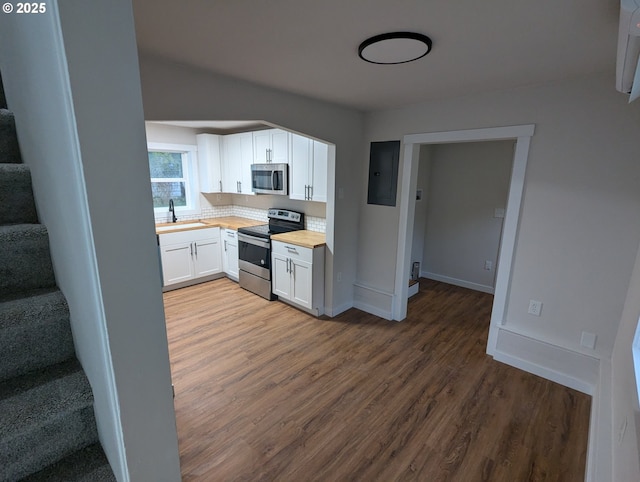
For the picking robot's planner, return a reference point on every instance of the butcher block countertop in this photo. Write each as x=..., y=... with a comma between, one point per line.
x=227, y=222
x=304, y=238
x=232, y=222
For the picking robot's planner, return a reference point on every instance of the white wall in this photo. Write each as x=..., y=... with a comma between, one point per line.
x=422, y=206
x=177, y=92
x=163, y=133
x=468, y=182
x=578, y=234
x=81, y=128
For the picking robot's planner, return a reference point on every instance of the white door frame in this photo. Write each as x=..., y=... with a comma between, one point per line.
x=412, y=142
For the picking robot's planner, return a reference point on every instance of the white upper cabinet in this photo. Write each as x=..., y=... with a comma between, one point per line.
x=301, y=159
x=271, y=145
x=318, y=179
x=237, y=156
x=309, y=161
x=209, y=162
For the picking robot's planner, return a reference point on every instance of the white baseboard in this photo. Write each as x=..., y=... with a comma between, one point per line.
x=374, y=310
x=561, y=365
x=373, y=300
x=457, y=282
x=600, y=449
x=335, y=311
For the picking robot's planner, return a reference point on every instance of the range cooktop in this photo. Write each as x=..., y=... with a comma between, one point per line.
x=280, y=221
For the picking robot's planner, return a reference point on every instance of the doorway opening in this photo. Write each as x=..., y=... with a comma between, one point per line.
x=522, y=135
x=460, y=204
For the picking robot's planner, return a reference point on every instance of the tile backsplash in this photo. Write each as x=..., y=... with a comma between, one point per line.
x=312, y=223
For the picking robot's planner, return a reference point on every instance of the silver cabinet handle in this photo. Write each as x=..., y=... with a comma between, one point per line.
x=225, y=244
x=310, y=193
x=191, y=246
x=292, y=249
x=220, y=182
x=196, y=245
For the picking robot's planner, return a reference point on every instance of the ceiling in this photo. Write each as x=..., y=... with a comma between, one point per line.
x=309, y=47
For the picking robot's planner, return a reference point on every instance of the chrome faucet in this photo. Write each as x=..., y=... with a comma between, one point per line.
x=172, y=210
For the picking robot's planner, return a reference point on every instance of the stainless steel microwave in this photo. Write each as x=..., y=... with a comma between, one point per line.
x=270, y=178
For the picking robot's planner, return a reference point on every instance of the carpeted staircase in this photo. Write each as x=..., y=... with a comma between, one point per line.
x=47, y=425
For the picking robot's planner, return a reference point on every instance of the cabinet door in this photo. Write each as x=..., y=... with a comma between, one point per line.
x=301, y=283
x=279, y=146
x=246, y=159
x=280, y=277
x=301, y=152
x=232, y=257
x=206, y=257
x=209, y=162
x=261, y=146
x=319, y=174
x=177, y=264
x=230, y=254
x=231, y=162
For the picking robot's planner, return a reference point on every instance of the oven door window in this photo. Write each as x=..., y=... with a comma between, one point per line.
x=253, y=254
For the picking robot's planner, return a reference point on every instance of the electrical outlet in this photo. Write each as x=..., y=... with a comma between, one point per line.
x=588, y=340
x=488, y=265
x=535, y=307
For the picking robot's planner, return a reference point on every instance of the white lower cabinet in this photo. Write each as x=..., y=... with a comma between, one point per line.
x=298, y=275
x=230, y=253
x=190, y=255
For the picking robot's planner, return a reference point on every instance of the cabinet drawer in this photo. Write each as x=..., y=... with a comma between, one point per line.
x=188, y=236
x=292, y=251
x=230, y=235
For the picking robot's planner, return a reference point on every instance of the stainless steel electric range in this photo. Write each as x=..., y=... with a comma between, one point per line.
x=254, y=250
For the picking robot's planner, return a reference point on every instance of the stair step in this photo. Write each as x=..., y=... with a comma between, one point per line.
x=9, y=149
x=16, y=195
x=86, y=465
x=35, y=332
x=25, y=261
x=45, y=416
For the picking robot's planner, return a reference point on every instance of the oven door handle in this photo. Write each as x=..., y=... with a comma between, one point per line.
x=246, y=238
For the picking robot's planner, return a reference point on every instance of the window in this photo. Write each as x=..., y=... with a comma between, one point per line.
x=173, y=176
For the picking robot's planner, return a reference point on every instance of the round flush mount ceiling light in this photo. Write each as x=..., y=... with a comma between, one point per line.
x=395, y=48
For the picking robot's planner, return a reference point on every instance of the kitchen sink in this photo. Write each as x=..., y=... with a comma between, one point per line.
x=180, y=226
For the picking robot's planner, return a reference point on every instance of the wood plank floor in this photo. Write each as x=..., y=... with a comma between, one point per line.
x=266, y=392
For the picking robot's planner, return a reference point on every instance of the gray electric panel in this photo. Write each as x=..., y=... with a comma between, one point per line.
x=383, y=173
